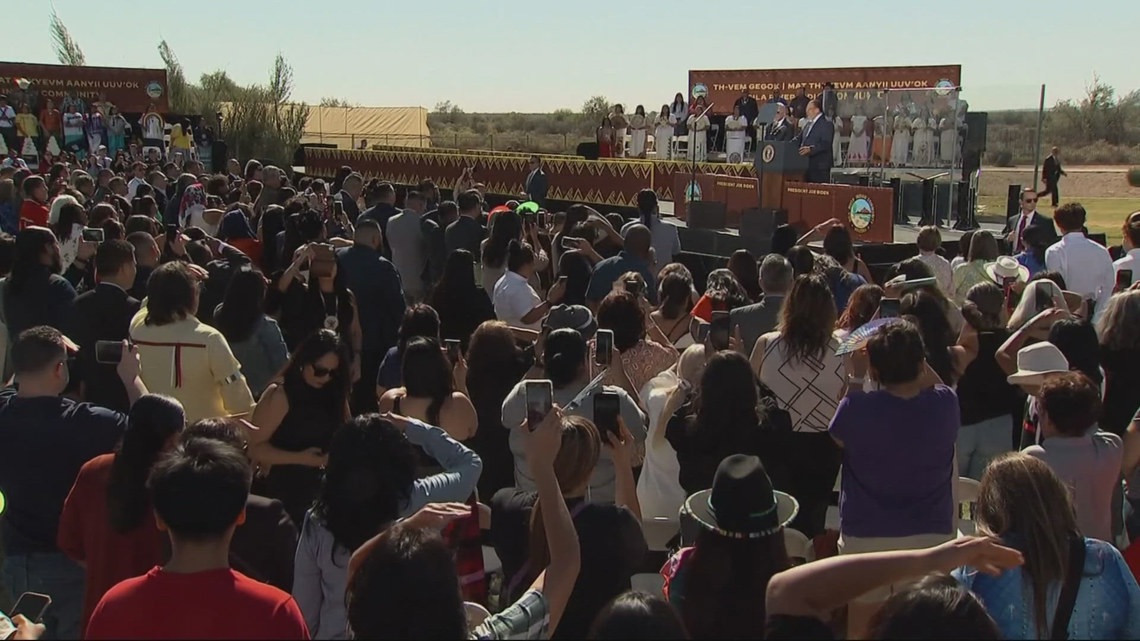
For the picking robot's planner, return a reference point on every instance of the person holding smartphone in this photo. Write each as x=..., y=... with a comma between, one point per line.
x=565, y=362
x=514, y=300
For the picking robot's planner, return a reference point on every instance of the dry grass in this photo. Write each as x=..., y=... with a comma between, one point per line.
x=1106, y=215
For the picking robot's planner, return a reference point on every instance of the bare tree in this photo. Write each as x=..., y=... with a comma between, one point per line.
x=329, y=101
x=66, y=48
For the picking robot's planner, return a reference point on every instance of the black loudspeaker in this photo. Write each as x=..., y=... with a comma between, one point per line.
x=897, y=216
x=218, y=157
x=976, y=122
x=707, y=214
x=761, y=223
x=1013, y=201
x=864, y=181
x=588, y=150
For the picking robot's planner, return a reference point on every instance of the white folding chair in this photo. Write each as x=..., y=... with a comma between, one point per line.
x=648, y=582
x=797, y=544
x=658, y=531
x=966, y=495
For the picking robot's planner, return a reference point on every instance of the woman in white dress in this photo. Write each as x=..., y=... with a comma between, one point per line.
x=638, y=132
x=679, y=111
x=621, y=124
x=663, y=133
x=860, y=146
x=922, y=138
x=734, y=127
x=948, y=141
x=698, y=136
x=900, y=144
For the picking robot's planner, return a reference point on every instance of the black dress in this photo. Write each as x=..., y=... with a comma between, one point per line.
x=301, y=311
x=310, y=422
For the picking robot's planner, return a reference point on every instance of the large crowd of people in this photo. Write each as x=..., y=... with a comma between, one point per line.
x=247, y=405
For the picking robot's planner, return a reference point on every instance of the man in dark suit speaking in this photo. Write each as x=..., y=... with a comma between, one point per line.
x=780, y=129
x=815, y=142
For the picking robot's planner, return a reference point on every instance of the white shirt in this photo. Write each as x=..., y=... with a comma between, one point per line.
x=737, y=131
x=1131, y=260
x=133, y=187
x=1086, y=267
x=941, y=268
x=513, y=298
x=1023, y=221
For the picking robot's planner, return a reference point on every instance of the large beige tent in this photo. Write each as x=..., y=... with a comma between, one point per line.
x=347, y=127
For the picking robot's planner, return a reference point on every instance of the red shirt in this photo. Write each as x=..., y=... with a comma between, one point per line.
x=33, y=213
x=215, y=604
x=86, y=535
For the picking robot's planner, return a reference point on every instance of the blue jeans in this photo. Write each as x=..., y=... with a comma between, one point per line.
x=56, y=576
x=980, y=443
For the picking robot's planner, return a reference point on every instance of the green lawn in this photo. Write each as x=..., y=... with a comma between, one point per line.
x=1106, y=215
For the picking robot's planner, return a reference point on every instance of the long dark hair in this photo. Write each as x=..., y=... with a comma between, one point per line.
x=676, y=294
x=419, y=320
x=368, y=480
x=807, y=318
x=334, y=395
x=505, y=227
x=725, y=583
x=152, y=421
x=70, y=214
x=578, y=271
x=728, y=408
x=1077, y=340
x=743, y=265
x=30, y=246
x=457, y=280
x=925, y=311
x=427, y=374
x=493, y=362
x=242, y=307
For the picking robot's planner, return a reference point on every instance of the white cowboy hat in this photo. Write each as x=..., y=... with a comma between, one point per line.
x=1007, y=267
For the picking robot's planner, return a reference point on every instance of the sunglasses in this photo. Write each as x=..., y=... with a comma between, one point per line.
x=322, y=372
x=1030, y=200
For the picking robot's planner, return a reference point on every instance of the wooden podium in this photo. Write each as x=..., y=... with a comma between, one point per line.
x=865, y=211
x=778, y=163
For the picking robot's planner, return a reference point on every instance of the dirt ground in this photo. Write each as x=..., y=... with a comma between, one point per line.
x=1082, y=182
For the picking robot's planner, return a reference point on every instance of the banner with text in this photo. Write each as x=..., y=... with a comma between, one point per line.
x=860, y=88
x=129, y=89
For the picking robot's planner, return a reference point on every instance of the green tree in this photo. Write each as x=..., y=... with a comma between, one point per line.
x=329, y=101
x=66, y=48
x=596, y=108
x=260, y=121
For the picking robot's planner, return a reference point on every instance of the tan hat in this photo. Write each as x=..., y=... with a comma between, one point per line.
x=1036, y=361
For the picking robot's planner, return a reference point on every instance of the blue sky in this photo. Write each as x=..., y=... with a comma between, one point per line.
x=536, y=55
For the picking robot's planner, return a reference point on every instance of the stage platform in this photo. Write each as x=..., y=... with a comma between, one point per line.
x=705, y=249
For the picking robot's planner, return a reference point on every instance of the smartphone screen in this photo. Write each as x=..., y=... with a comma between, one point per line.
x=603, y=347
x=719, y=331
x=633, y=286
x=92, y=234
x=1123, y=279
x=889, y=308
x=453, y=350
x=108, y=352
x=32, y=605
x=606, y=408
x=542, y=219
x=569, y=242
x=1043, y=297
x=338, y=208
x=539, y=401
